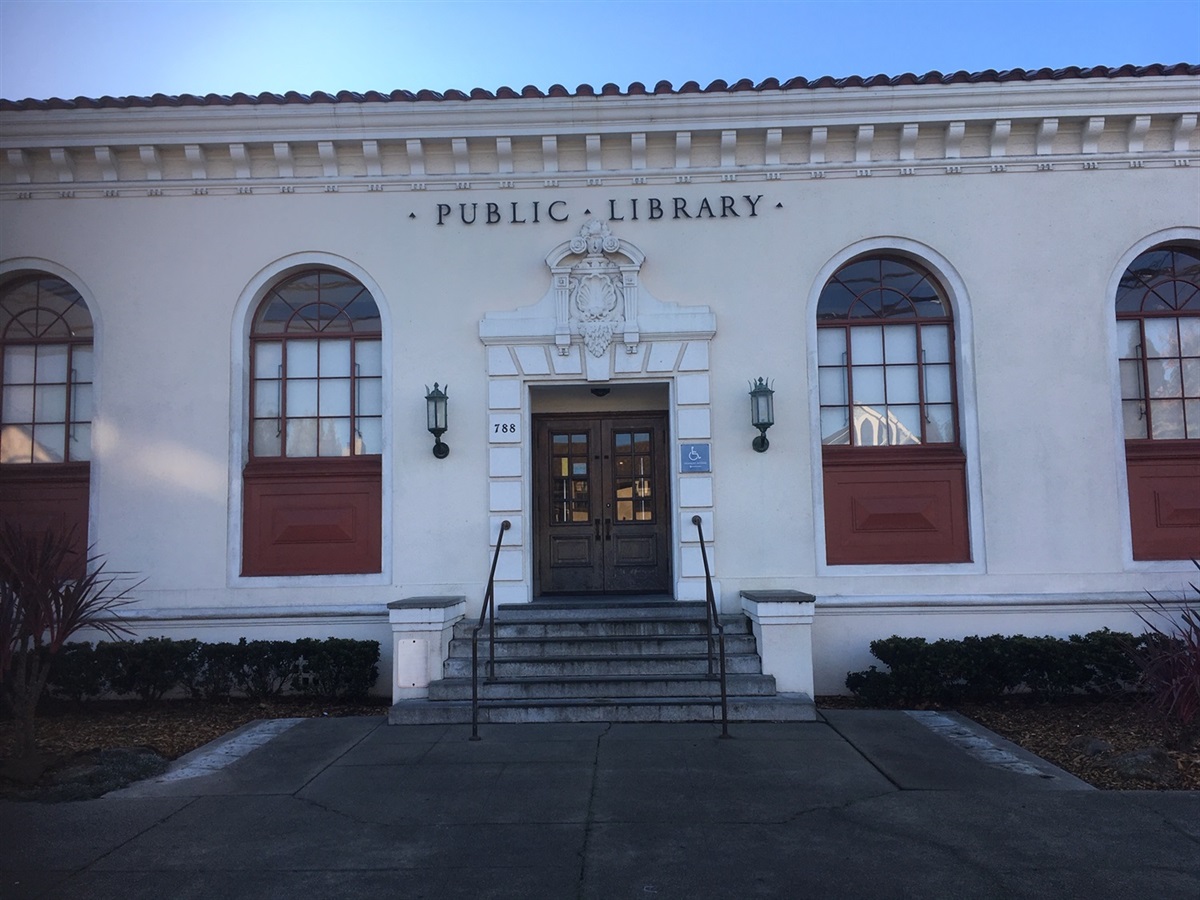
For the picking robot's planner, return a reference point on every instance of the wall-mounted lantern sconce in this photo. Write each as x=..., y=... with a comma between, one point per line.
x=435, y=409
x=762, y=412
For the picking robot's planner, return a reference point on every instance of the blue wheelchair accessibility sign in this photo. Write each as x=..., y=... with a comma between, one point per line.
x=694, y=458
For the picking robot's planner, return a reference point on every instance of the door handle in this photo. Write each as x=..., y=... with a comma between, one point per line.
x=608, y=529
x=597, y=529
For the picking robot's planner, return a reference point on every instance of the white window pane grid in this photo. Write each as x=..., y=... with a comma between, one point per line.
x=868, y=385
x=939, y=424
x=866, y=345
x=302, y=437
x=18, y=404
x=1166, y=417
x=368, y=356
x=268, y=359
x=831, y=346
x=935, y=343
x=370, y=397
x=52, y=363
x=902, y=385
x=368, y=439
x=266, y=437
x=1131, y=380
x=82, y=364
x=334, y=397
x=334, y=358
x=302, y=359
x=1192, y=411
x=904, y=424
x=1189, y=335
x=50, y=403
x=1134, y=414
x=1129, y=338
x=900, y=343
x=834, y=425
x=19, y=365
x=48, y=442
x=333, y=438
x=1191, y=377
x=81, y=403
x=301, y=398
x=1162, y=337
x=1163, y=378
x=938, y=387
x=79, y=442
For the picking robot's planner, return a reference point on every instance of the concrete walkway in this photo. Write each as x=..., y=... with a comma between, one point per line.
x=865, y=804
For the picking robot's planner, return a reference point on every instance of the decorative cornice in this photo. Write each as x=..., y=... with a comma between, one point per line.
x=917, y=126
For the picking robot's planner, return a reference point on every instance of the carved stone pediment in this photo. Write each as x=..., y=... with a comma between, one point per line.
x=596, y=302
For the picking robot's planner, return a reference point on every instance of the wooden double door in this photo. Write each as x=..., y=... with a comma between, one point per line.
x=602, y=505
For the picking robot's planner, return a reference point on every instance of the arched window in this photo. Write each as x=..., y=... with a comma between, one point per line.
x=45, y=404
x=1158, y=335
x=895, y=488
x=313, y=475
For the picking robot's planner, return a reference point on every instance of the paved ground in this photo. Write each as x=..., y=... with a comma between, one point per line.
x=866, y=804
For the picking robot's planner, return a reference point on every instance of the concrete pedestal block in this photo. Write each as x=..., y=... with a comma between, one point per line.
x=782, y=623
x=421, y=632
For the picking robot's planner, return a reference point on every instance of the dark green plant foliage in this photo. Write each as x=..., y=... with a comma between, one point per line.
x=76, y=674
x=48, y=593
x=1169, y=659
x=150, y=668
x=216, y=670
x=266, y=667
x=337, y=668
x=984, y=668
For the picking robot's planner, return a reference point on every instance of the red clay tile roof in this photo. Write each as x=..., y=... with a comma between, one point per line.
x=987, y=76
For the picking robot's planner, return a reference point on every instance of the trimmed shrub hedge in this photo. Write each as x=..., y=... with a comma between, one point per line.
x=984, y=668
x=334, y=669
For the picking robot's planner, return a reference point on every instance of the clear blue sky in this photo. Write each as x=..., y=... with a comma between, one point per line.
x=68, y=48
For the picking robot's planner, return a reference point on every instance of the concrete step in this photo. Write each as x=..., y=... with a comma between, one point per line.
x=603, y=645
x=582, y=688
x=567, y=666
x=621, y=627
x=588, y=611
x=780, y=708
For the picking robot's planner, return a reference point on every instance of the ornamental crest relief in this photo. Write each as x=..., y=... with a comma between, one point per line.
x=596, y=291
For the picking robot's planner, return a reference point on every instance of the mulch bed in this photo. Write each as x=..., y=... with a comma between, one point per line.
x=1057, y=731
x=73, y=737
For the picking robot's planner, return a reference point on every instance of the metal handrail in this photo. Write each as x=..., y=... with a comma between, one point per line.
x=713, y=621
x=489, y=606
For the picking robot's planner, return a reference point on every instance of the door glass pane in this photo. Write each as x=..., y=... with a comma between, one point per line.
x=641, y=442
x=900, y=343
x=866, y=345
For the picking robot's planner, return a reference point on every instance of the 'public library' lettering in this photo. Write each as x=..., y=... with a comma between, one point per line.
x=632, y=209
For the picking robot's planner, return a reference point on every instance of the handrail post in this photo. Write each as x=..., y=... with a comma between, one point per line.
x=489, y=610
x=711, y=620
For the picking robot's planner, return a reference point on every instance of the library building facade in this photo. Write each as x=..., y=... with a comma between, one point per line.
x=913, y=355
